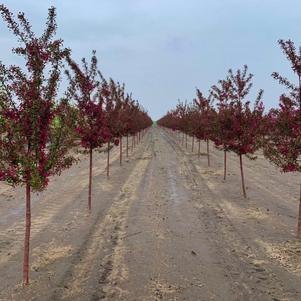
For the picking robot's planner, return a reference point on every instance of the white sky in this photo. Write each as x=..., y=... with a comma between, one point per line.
x=162, y=50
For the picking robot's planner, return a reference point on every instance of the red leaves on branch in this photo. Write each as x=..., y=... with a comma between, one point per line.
x=36, y=130
x=237, y=126
x=283, y=138
x=233, y=124
x=29, y=146
x=34, y=141
x=86, y=89
x=105, y=114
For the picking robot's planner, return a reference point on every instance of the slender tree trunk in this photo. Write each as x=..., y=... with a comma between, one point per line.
x=27, y=237
x=192, y=147
x=133, y=139
x=90, y=179
x=242, y=177
x=299, y=94
x=208, y=153
x=299, y=218
x=108, y=160
x=185, y=140
x=199, y=148
x=120, y=145
x=225, y=164
x=127, y=145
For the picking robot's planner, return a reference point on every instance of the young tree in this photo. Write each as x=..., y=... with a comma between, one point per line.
x=85, y=88
x=244, y=132
x=206, y=117
x=113, y=106
x=283, y=140
x=221, y=125
x=33, y=143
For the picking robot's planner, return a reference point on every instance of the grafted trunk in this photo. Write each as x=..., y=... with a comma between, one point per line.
x=208, y=153
x=108, y=160
x=90, y=178
x=242, y=177
x=27, y=237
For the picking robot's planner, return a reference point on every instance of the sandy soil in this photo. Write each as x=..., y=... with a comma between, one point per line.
x=163, y=227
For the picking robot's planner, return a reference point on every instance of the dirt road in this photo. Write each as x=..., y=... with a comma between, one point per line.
x=163, y=227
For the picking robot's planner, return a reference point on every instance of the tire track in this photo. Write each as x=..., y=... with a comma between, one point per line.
x=249, y=274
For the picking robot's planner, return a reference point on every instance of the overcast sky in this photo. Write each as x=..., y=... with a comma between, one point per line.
x=163, y=49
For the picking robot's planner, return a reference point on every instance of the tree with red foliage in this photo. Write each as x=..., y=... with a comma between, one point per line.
x=180, y=115
x=85, y=88
x=241, y=124
x=126, y=119
x=119, y=96
x=283, y=140
x=177, y=120
x=206, y=117
x=113, y=107
x=234, y=127
x=134, y=124
x=33, y=145
x=222, y=121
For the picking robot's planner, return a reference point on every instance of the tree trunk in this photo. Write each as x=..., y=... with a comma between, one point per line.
x=185, y=140
x=133, y=142
x=108, y=160
x=120, y=142
x=27, y=237
x=199, y=148
x=127, y=145
x=299, y=218
x=299, y=78
x=225, y=164
x=90, y=180
x=192, y=147
x=242, y=177
x=208, y=154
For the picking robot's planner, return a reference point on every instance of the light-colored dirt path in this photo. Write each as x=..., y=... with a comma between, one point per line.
x=163, y=227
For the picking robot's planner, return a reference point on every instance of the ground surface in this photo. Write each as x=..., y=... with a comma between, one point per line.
x=163, y=227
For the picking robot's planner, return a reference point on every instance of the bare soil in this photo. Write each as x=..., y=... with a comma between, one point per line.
x=164, y=226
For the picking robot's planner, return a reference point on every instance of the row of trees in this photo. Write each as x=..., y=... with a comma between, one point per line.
x=227, y=118
x=38, y=129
